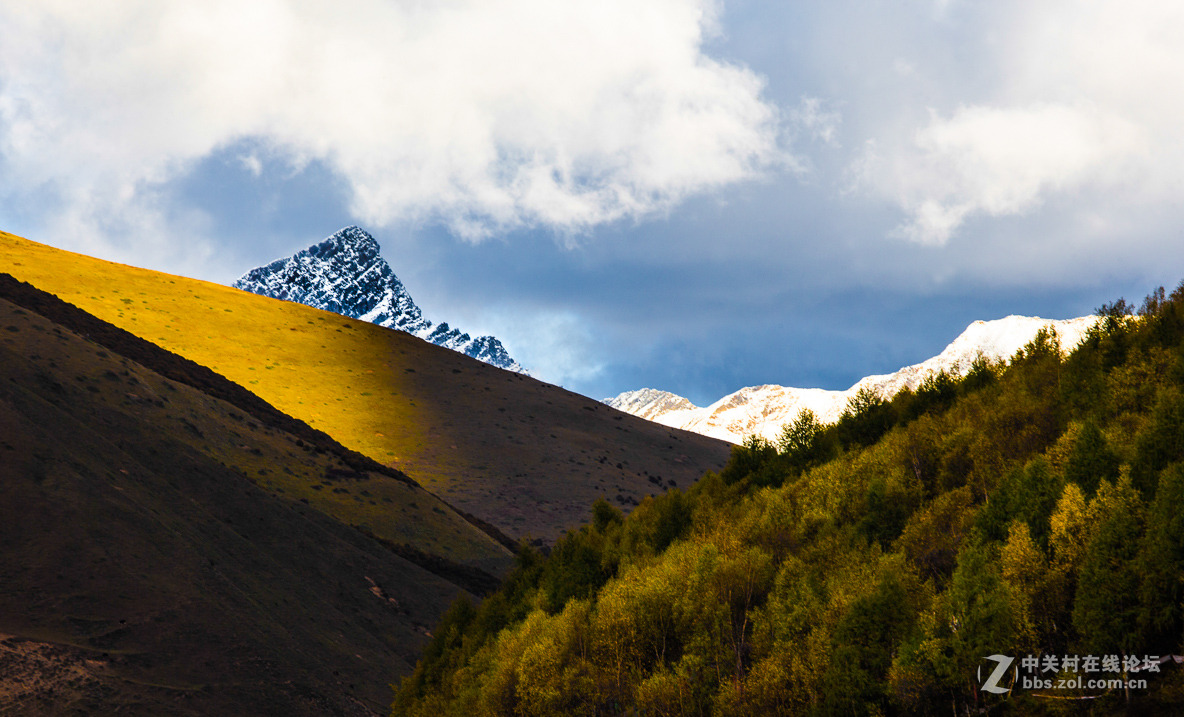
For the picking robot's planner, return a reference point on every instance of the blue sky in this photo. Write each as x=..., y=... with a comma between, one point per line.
x=682, y=194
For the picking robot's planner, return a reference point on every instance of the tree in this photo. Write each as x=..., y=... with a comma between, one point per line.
x=1025, y=571
x=1069, y=528
x=805, y=442
x=1160, y=444
x=1161, y=565
x=934, y=534
x=1106, y=608
x=441, y=656
x=575, y=569
x=867, y=417
x=604, y=515
x=1113, y=332
x=1028, y=494
x=974, y=619
x=1091, y=460
x=863, y=644
x=982, y=373
x=935, y=394
x=659, y=521
x=750, y=457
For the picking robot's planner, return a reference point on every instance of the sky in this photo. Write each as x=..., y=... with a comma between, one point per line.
x=688, y=195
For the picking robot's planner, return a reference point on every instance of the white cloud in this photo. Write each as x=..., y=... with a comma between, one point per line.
x=489, y=114
x=251, y=163
x=1004, y=161
x=814, y=118
x=1079, y=103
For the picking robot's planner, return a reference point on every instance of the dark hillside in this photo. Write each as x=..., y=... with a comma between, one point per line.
x=155, y=557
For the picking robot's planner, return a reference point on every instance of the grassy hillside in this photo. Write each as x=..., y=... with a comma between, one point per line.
x=1031, y=510
x=523, y=455
x=161, y=551
x=280, y=454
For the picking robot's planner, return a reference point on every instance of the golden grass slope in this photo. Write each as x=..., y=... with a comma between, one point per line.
x=274, y=459
x=528, y=457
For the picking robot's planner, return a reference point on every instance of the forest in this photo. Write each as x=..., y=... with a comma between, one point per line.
x=1030, y=508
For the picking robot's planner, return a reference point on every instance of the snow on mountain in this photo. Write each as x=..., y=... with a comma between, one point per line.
x=650, y=403
x=763, y=410
x=347, y=275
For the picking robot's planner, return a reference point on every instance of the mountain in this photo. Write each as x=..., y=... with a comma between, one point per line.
x=347, y=275
x=518, y=454
x=866, y=567
x=169, y=544
x=763, y=410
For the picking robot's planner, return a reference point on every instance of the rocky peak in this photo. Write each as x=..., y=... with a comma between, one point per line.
x=347, y=275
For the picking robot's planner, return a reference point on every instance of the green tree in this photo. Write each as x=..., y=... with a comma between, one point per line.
x=887, y=508
x=748, y=458
x=1106, y=607
x=576, y=568
x=805, y=442
x=862, y=648
x=867, y=417
x=934, y=534
x=1091, y=459
x=1161, y=565
x=1161, y=443
x=1113, y=332
x=442, y=656
x=1028, y=494
x=971, y=620
x=659, y=521
x=982, y=373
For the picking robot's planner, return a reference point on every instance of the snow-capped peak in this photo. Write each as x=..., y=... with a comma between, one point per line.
x=346, y=274
x=763, y=410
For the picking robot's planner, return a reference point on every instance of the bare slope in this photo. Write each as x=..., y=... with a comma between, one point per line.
x=528, y=457
x=157, y=557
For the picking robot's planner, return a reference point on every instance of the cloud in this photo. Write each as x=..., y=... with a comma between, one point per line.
x=1005, y=161
x=1077, y=106
x=813, y=118
x=486, y=114
x=251, y=163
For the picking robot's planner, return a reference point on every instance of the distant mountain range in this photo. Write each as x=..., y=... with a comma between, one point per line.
x=763, y=410
x=347, y=275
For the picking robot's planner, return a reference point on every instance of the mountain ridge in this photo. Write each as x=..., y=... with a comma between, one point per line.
x=763, y=410
x=346, y=274
x=524, y=456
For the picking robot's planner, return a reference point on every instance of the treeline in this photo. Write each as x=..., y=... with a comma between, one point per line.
x=868, y=567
